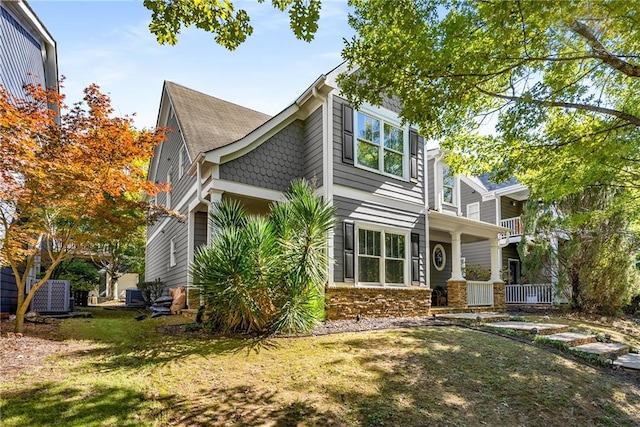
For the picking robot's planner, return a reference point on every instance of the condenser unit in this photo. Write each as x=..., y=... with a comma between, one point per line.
x=53, y=296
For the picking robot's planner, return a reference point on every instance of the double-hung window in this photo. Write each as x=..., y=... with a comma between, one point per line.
x=448, y=186
x=380, y=145
x=382, y=257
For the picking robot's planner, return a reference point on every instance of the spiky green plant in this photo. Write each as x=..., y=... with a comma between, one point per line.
x=267, y=274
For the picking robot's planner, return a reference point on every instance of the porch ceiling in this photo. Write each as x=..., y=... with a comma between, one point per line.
x=472, y=230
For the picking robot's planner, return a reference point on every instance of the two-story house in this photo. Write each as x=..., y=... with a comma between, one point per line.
x=400, y=222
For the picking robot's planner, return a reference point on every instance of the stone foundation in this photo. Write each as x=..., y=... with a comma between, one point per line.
x=193, y=298
x=347, y=303
x=499, y=295
x=457, y=293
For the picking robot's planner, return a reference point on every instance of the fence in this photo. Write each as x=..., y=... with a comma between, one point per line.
x=529, y=294
x=479, y=293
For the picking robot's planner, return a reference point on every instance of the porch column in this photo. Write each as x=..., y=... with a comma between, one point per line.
x=215, y=197
x=495, y=260
x=456, y=270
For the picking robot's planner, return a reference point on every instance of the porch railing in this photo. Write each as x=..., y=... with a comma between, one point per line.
x=529, y=294
x=513, y=224
x=479, y=293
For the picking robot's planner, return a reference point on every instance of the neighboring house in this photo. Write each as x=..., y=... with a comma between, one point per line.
x=27, y=55
x=400, y=223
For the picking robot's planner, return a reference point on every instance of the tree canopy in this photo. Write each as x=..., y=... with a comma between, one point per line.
x=559, y=81
x=69, y=178
x=229, y=26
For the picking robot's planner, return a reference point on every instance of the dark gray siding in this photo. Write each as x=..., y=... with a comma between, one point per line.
x=392, y=103
x=469, y=195
x=8, y=291
x=20, y=54
x=158, y=253
x=200, y=229
x=439, y=278
x=354, y=210
x=313, y=147
x=509, y=251
x=169, y=159
x=477, y=253
x=370, y=182
x=508, y=210
x=273, y=164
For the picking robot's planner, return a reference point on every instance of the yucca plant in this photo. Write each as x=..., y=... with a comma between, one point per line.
x=267, y=274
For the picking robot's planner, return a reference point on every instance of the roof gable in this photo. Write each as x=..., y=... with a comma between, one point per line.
x=207, y=122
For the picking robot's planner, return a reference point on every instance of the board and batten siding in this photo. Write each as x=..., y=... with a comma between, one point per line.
x=21, y=54
x=439, y=278
x=313, y=147
x=169, y=160
x=273, y=164
x=348, y=175
x=373, y=213
x=487, y=208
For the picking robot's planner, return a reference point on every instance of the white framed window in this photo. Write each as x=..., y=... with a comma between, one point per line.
x=381, y=145
x=181, y=163
x=382, y=256
x=169, y=179
x=448, y=186
x=439, y=257
x=473, y=211
x=172, y=252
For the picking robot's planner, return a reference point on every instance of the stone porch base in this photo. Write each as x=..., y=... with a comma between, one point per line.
x=349, y=302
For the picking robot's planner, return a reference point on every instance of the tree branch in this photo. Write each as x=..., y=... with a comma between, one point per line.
x=570, y=105
x=601, y=52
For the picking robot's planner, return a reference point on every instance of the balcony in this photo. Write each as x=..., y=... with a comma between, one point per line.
x=514, y=225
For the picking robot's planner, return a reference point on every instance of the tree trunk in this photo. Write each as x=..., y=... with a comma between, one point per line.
x=113, y=281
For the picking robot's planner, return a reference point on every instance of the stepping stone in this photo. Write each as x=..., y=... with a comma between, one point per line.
x=542, y=328
x=572, y=339
x=628, y=361
x=603, y=349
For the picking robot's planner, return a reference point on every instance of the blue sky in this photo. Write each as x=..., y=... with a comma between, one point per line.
x=108, y=43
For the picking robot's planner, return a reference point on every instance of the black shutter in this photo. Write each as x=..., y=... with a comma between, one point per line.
x=415, y=257
x=413, y=147
x=347, y=134
x=349, y=245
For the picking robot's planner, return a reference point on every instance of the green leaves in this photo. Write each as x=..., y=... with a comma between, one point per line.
x=219, y=17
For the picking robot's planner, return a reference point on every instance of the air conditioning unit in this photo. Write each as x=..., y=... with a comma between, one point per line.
x=54, y=296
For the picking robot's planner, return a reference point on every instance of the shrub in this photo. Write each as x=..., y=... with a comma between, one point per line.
x=266, y=274
x=151, y=290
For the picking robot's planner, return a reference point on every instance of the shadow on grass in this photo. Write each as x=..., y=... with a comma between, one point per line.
x=458, y=377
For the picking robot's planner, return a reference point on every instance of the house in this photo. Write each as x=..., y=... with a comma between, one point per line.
x=27, y=55
x=400, y=223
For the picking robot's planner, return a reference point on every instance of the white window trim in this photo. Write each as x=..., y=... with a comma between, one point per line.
x=444, y=257
x=384, y=116
x=172, y=252
x=477, y=204
x=439, y=186
x=181, y=163
x=407, y=254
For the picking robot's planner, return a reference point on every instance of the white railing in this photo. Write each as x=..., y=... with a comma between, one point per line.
x=479, y=293
x=529, y=294
x=513, y=224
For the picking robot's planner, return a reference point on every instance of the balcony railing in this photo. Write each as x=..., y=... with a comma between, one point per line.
x=479, y=293
x=514, y=225
x=529, y=294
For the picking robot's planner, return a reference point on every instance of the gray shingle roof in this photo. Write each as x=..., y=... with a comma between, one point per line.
x=490, y=185
x=207, y=122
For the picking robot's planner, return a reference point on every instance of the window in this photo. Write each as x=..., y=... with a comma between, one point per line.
x=473, y=211
x=448, y=185
x=380, y=145
x=181, y=163
x=381, y=257
x=439, y=257
x=172, y=252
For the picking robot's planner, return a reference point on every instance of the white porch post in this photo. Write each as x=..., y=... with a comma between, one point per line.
x=215, y=197
x=456, y=271
x=495, y=260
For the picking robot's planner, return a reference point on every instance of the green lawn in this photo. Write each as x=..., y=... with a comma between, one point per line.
x=127, y=374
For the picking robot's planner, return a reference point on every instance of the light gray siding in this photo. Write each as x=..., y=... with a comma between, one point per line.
x=439, y=278
x=354, y=210
x=350, y=176
x=274, y=164
x=487, y=208
x=431, y=197
x=477, y=253
x=20, y=55
x=313, y=147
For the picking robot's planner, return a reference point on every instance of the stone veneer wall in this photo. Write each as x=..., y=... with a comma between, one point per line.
x=347, y=303
x=457, y=293
x=499, y=295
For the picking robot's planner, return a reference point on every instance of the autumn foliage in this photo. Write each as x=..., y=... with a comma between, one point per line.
x=68, y=179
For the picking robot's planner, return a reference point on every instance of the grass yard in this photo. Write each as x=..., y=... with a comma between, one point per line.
x=119, y=372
